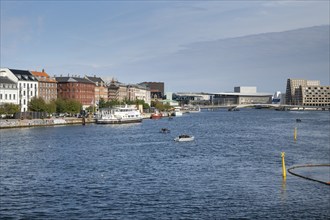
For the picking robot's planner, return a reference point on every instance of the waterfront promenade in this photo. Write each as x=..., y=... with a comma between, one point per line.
x=20, y=123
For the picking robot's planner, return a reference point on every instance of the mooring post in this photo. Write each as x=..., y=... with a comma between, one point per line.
x=283, y=165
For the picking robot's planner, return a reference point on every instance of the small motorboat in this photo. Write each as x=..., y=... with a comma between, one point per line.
x=164, y=130
x=184, y=137
x=156, y=115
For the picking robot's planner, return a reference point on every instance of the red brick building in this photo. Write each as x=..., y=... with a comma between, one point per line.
x=80, y=89
x=47, y=86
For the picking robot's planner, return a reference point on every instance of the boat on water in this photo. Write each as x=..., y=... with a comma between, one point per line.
x=184, y=137
x=165, y=130
x=119, y=115
x=177, y=111
x=191, y=109
x=156, y=115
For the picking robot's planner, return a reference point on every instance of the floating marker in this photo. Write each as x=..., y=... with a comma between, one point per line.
x=283, y=165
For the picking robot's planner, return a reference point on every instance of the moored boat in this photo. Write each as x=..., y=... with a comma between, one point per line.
x=119, y=115
x=177, y=111
x=156, y=115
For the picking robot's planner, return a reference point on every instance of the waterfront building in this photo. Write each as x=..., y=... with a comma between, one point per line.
x=293, y=90
x=101, y=89
x=8, y=90
x=156, y=89
x=307, y=93
x=75, y=87
x=27, y=85
x=187, y=98
x=47, y=86
x=139, y=92
x=131, y=92
x=117, y=90
x=241, y=96
x=317, y=96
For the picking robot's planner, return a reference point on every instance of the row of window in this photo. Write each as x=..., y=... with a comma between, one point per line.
x=27, y=85
x=26, y=93
x=318, y=100
x=47, y=84
x=8, y=86
x=48, y=91
x=317, y=92
x=8, y=96
x=319, y=88
x=76, y=85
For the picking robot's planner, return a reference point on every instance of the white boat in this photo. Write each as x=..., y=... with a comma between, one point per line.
x=184, y=137
x=119, y=115
x=177, y=111
x=191, y=109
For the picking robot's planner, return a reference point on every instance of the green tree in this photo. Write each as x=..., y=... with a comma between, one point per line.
x=37, y=104
x=60, y=105
x=73, y=106
x=102, y=103
x=160, y=106
x=51, y=107
x=9, y=109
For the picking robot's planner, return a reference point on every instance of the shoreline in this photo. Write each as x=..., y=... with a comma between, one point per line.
x=30, y=123
x=24, y=123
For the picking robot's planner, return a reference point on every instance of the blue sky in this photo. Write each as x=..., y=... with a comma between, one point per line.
x=197, y=46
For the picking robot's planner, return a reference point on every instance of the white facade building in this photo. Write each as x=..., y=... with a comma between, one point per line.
x=8, y=88
x=27, y=86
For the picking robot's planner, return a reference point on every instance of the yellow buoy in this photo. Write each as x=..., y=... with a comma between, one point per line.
x=295, y=134
x=283, y=165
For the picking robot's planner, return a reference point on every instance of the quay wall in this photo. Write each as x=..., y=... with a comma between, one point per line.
x=21, y=123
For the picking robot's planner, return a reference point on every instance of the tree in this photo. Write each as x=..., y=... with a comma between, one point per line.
x=37, y=104
x=73, y=106
x=160, y=106
x=9, y=109
x=60, y=105
x=51, y=107
x=102, y=103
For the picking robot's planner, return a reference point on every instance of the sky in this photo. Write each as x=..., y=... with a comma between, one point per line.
x=191, y=46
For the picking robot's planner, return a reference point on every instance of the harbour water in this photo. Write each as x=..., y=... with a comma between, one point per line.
x=231, y=171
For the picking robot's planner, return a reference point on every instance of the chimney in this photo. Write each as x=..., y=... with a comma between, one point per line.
x=43, y=70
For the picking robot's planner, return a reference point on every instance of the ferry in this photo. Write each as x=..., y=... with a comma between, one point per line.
x=119, y=115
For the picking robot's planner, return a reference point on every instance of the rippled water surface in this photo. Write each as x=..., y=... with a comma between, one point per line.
x=231, y=170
